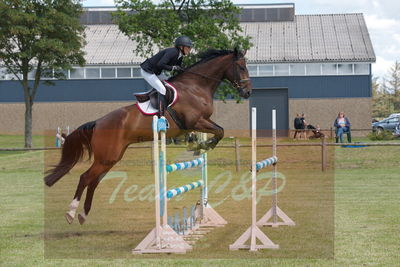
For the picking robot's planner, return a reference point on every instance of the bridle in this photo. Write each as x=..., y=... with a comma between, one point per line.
x=236, y=76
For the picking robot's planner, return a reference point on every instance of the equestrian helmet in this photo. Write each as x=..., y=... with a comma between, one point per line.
x=183, y=41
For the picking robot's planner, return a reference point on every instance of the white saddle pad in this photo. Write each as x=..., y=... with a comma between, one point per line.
x=147, y=109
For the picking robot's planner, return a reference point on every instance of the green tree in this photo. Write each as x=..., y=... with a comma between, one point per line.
x=39, y=38
x=210, y=23
x=394, y=85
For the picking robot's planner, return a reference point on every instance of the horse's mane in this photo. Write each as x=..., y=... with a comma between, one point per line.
x=204, y=57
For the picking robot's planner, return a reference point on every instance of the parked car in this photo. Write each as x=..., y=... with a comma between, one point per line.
x=388, y=124
x=397, y=130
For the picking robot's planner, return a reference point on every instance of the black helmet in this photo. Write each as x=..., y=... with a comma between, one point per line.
x=183, y=41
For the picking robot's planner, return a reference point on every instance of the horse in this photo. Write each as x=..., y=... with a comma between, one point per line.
x=107, y=138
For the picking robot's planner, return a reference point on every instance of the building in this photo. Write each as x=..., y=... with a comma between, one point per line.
x=314, y=64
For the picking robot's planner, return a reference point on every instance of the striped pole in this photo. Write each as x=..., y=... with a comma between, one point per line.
x=266, y=162
x=183, y=189
x=185, y=165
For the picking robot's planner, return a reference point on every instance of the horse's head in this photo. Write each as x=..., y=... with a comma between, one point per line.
x=238, y=74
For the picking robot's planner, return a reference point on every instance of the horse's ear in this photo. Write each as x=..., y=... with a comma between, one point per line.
x=244, y=52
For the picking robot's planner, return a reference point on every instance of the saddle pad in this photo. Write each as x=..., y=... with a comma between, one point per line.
x=147, y=109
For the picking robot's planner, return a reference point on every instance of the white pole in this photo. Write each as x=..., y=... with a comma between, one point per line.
x=204, y=191
x=163, y=166
x=156, y=165
x=253, y=177
x=274, y=170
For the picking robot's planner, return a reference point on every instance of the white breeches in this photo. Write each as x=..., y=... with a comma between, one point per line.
x=155, y=81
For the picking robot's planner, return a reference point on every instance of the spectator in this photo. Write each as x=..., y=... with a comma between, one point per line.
x=297, y=126
x=303, y=125
x=342, y=125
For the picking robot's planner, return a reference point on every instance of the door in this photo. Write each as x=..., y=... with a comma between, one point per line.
x=265, y=100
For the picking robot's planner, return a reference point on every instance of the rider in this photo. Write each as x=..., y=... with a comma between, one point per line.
x=169, y=59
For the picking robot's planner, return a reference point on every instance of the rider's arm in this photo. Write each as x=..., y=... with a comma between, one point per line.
x=164, y=62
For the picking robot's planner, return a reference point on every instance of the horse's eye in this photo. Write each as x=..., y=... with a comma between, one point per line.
x=242, y=68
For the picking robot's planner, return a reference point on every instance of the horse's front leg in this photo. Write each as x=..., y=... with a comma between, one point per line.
x=208, y=126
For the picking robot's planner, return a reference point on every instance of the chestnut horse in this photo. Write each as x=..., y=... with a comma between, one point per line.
x=108, y=137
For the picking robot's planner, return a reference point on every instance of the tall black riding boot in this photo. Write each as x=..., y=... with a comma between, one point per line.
x=161, y=105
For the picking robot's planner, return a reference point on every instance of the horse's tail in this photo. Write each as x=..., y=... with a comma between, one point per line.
x=72, y=152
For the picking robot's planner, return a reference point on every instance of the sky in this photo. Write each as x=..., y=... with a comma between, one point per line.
x=382, y=18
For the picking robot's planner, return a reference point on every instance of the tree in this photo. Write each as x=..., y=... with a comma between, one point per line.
x=39, y=38
x=210, y=23
x=394, y=85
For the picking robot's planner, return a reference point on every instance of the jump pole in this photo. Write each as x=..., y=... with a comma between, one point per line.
x=275, y=212
x=253, y=232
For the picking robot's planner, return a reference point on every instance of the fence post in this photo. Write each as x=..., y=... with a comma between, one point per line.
x=323, y=154
x=237, y=153
x=331, y=133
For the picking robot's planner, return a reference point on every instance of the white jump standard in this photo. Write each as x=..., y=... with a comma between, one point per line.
x=163, y=239
x=275, y=212
x=253, y=233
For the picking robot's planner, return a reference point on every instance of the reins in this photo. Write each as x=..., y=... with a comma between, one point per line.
x=236, y=83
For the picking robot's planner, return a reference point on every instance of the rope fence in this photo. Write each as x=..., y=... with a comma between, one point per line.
x=237, y=146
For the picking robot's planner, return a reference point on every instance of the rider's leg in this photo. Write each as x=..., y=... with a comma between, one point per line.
x=155, y=82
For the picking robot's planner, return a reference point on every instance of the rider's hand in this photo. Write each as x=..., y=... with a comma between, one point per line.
x=177, y=68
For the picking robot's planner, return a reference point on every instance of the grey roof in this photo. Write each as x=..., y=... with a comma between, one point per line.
x=309, y=38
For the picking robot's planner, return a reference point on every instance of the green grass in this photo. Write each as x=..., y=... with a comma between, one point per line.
x=361, y=229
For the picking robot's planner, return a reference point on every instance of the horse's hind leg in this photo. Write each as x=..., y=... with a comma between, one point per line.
x=83, y=182
x=101, y=172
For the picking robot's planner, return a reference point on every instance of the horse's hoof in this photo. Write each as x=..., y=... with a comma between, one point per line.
x=69, y=217
x=81, y=218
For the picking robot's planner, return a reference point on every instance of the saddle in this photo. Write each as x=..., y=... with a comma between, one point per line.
x=152, y=95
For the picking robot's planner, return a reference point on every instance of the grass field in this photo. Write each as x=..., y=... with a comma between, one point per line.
x=347, y=216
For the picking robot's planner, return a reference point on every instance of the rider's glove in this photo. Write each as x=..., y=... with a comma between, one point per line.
x=177, y=68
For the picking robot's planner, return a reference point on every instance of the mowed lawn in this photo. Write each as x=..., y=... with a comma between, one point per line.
x=347, y=216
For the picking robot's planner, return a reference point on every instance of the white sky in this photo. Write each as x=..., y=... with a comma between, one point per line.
x=382, y=18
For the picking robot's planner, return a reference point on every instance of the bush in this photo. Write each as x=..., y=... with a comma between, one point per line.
x=381, y=135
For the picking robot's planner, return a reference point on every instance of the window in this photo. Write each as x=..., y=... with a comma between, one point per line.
x=345, y=69
x=77, y=73
x=47, y=74
x=266, y=70
x=136, y=72
x=31, y=74
x=3, y=74
x=281, y=69
x=361, y=69
x=92, y=73
x=313, y=69
x=252, y=70
x=123, y=72
x=107, y=72
x=393, y=120
x=297, y=69
x=329, y=69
